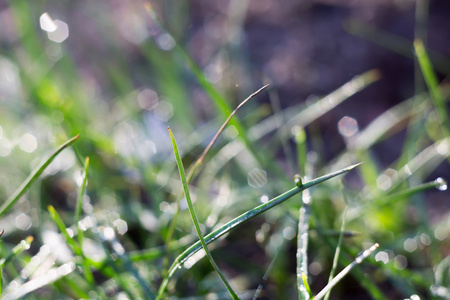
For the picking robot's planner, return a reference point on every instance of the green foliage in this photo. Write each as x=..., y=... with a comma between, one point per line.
x=113, y=224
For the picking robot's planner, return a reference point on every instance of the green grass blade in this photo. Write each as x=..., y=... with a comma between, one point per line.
x=81, y=193
x=197, y=164
x=33, y=176
x=78, y=209
x=245, y=217
x=19, y=248
x=345, y=271
x=393, y=42
x=430, y=79
x=337, y=252
x=41, y=281
x=194, y=216
x=60, y=224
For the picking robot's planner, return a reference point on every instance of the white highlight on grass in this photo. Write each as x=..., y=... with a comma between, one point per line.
x=443, y=147
x=148, y=219
x=47, y=23
x=28, y=143
x=34, y=284
x=64, y=161
x=441, y=184
x=194, y=259
x=364, y=254
x=86, y=223
x=70, y=232
x=57, y=245
x=93, y=250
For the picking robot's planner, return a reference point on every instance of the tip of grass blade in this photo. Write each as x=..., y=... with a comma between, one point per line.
x=354, y=166
x=51, y=209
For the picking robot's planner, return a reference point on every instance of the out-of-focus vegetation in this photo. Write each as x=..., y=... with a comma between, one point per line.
x=104, y=216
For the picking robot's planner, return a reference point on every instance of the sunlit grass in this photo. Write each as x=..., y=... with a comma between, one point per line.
x=101, y=217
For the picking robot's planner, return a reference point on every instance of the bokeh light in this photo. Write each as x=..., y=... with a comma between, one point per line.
x=348, y=126
x=257, y=178
x=28, y=143
x=60, y=34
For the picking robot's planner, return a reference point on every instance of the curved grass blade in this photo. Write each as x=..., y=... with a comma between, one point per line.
x=345, y=271
x=81, y=192
x=194, y=168
x=338, y=250
x=87, y=271
x=33, y=176
x=194, y=216
x=62, y=227
x=430, y=79
x=193, y=249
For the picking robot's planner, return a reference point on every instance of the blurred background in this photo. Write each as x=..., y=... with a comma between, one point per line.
x=120, y=72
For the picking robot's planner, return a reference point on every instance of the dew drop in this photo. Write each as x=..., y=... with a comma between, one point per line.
x=441, y=184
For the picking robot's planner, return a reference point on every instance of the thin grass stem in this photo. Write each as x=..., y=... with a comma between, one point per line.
x=345, y=271
x=337, y=252
x=32, y=177
x=195, y=219
x=195, y=167
x=302, y=248
x=194, y=248
x=431, y=80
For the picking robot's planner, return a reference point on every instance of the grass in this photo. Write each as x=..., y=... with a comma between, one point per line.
x=103, y=215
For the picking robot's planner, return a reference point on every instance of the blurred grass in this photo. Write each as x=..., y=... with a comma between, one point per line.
x=121, y=89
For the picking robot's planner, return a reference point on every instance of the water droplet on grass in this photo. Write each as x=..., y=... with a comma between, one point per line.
x=441, y=184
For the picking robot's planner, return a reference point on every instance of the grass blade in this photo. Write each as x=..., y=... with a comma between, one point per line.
x=430, y=79
x=41, y=281
x=78, y=209
x=345, y=271
x=81, y=192
x=195, y=167
x=337, y=252
x=60, y=224
x=194, y=216
x=33, y=176
x=19, y=248
x=193, y=249
x=304, y=292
